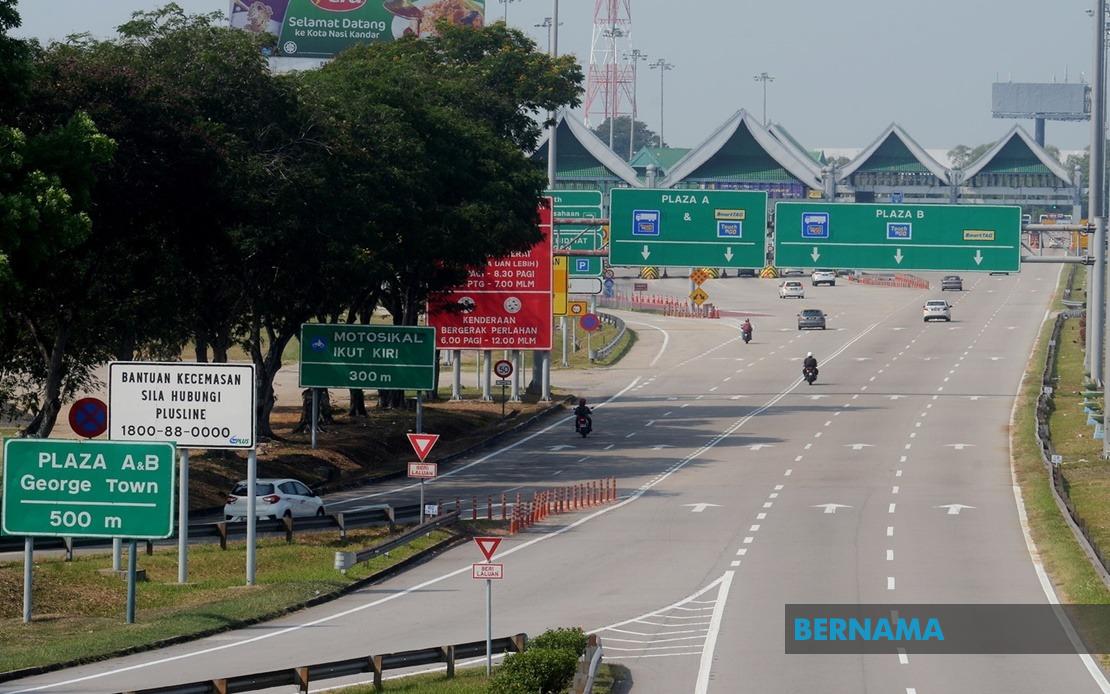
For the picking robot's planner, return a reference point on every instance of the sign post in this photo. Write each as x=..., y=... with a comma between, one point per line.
x=865, y=236
x=503, y=369
x=112, y=489
x=422, y=445
x=195, y=406
x=487, y=572
x=694, y=228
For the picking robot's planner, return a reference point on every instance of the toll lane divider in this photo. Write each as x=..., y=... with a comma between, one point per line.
x=304, y=675
x=559, y=500
x=898, y=279
x=658, y=303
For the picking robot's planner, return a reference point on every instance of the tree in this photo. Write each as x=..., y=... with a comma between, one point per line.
x=963, y=156
x=839, y=162
x=642, y=135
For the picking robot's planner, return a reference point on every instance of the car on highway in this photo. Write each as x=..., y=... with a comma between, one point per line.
x=823, y=277
x=811, y=318
x=952, y=282
x=792, y=272
x=746, y=272
x=276, y=498
x=937, y=309
x=791, y=289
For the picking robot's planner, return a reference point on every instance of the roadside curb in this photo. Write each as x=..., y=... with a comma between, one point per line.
x=389, y=572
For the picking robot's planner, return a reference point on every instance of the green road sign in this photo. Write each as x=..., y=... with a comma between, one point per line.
x=578, y=204
x=945, y=238
x=400, y=357
x=693, y=228
x=581, y=266
x=88, y=488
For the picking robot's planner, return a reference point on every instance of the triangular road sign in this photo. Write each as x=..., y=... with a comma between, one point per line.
x=488, y=545
x=422, y=444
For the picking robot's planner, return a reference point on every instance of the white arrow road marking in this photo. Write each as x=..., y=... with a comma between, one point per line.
x=560, y=447
x=646, y=252
x=898, y=256
x=815, y=254
x=698, y=508
x=954, y=509
x=761, y=446
x=728, y=253
x=960, y=446
x=978, y=257
x=831, y=508
x=858, y=446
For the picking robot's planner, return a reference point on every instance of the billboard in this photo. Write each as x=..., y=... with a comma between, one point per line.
x=1051, y=101
x=322, y=28
x=505, y=305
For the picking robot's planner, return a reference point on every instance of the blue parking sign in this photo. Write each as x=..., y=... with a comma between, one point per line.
x=645, y=222
x=815, y=225
x=582, y=264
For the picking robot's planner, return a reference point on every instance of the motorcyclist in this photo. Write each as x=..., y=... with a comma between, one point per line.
x=583, y=411
x=746, y=328
x=810, y=362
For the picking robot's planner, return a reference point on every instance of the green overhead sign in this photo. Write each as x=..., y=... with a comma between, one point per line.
x=396, y=357
x=579, y=204
x=88, y=488
x=945, y=238
x=694, y=228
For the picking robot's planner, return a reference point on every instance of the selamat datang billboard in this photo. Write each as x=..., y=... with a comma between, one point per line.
x=322, y=28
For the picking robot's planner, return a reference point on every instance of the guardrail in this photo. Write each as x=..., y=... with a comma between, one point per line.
x=1057, y=478
x=616, y=322
x=586, y=675
x=302, y=676
x=347, y=560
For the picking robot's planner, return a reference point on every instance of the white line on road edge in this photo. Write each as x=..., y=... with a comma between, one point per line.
x=666, y=338
x=1034, y=555
x=706, y=663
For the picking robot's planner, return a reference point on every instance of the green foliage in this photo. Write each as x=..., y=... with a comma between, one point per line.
x=642, y=135
x=564, y=638
x=535, y=671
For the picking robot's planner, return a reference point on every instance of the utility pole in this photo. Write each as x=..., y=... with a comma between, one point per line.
x=1096, y=297
x=544, y=358
x=506, y=3
x=634, y=57
x=546, y=24
x=764, y=78
x=662, y=66
x=613, y=106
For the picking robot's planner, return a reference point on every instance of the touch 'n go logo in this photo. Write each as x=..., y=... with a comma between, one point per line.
x=338, y=5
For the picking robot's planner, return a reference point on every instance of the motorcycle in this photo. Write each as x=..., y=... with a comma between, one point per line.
x=582, y=425
x=809, y=373
x=747, y=335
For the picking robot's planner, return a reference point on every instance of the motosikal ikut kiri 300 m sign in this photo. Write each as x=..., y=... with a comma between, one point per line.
x=322, y=28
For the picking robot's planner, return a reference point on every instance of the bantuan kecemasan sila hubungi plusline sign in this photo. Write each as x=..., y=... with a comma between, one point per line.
x=322, y=28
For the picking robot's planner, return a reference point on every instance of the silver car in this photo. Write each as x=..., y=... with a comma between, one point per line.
x=811, y=318
x=275, y=498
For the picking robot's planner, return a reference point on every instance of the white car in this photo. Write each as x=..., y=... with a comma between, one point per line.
x=937, y=309
x=791, y=289
x=276, y=498
x=823, y=277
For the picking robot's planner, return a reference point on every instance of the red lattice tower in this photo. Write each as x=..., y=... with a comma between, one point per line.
x=609, y=92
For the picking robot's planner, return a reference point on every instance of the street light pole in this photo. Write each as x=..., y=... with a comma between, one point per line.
x=662, y=66
x=764, y=78
x=546, y=24
x=635, y=56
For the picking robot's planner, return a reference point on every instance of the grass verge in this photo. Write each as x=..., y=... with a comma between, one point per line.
x=1072, y=574
x=78, y=613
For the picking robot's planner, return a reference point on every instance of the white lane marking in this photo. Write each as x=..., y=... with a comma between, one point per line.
x=753, y=529
x=558, y=423
x=668, y=413
x=650, y=422
x=666, y=338
x=890, y=531
x=898, y=473
x=891, y=508
x=902, y=459
x=630, y=435
x=610, y=446
x=773, y=495
x=817, y=435
x=761, y=516
x=798, y=459
x=890, y=555
x=768, y=504
x=779, y=487
x=903, y=659
x=742, y=551
x=734, y=563
x=808, y=446
x=684, y=405
x=748, y=540
x=706, y=663
x=788, y=473
x=890, y=583
x=894, y=490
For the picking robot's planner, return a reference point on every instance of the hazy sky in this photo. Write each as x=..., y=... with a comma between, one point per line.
x=843, y=70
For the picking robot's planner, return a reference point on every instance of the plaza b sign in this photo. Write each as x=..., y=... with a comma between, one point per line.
x=193, y=405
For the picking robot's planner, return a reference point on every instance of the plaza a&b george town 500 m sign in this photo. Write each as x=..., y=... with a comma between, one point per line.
x=505, y=305
x=322, y=28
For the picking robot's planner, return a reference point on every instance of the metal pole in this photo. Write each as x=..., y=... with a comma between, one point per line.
x=487, y=372
x=1096, y=207
x=662, y=71
x=553, y=130
x=183, y=520
x=28, y=576
x=546, y=383
x=117, y=554
x=514, y=393
x=420, y=412
x=315, y=414
x=456, y=374
x=132, y=564
x=764, y=103
x=421, y=501
x=252, y=510
x=489, y=627
x=563, y=329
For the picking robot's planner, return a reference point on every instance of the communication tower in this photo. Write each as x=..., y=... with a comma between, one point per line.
x=609, y=90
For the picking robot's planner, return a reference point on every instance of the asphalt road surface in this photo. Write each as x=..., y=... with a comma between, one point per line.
x=728, y=464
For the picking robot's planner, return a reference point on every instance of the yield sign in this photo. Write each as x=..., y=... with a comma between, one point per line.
x=488, y=545
x=422, y=444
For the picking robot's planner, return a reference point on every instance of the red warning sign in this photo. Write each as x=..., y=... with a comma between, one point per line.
x=422, y=444
x=488, y=545
x=506, y=305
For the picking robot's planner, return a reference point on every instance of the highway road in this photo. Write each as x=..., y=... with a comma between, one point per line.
x=742, y=490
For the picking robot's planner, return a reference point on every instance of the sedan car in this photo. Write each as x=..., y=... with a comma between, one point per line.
x=953, y=282
x=823, y=277
x=811, y=318
x=276, y=498
x=937, y=309
x=791, y=289
x=792, y=272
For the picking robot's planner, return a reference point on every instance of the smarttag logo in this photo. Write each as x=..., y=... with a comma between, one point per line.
x=339, y=5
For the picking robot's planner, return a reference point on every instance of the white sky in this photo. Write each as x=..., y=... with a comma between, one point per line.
x=843, y=70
